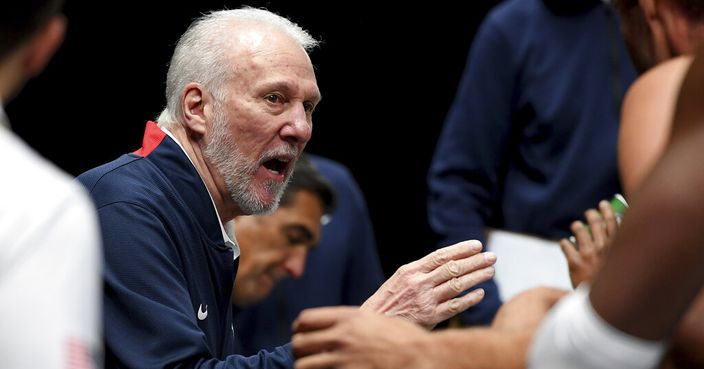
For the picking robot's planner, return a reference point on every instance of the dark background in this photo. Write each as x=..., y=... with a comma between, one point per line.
x=388, y=74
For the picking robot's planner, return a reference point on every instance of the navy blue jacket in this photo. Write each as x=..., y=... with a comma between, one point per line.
x=168, y=273
x=529, y=142
x=343, y=270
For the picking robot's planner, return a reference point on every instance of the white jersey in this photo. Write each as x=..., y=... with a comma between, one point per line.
x=49, y=264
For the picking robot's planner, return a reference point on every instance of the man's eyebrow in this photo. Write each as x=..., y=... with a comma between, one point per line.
x=307, y=234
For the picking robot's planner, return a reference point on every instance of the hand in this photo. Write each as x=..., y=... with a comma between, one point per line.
x=425, y=291
x=345, y=338
x=593, y=243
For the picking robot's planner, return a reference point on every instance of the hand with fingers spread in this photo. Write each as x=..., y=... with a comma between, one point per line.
x=425, y=291
x=591, y=243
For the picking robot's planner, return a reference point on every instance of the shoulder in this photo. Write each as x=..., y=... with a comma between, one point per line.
x=339, y=176
x=650, y=100
x=646, y=118
x=39, y=198
x=107, y=183
x=331, y=169
x=661, y=81
x=32, y=180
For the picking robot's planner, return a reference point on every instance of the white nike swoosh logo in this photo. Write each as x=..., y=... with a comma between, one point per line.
x=202, y=314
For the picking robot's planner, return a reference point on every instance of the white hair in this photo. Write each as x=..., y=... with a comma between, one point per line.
x=202, y=51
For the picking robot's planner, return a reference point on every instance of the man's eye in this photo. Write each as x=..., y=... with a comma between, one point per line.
x=295, y=240
x=273, y=98
x=309, y=106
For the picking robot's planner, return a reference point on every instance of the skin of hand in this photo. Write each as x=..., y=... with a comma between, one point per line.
x=584, y=262
x=347, y=337
x=425, y=291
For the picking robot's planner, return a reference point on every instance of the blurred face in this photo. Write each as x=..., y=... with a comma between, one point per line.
x=265, y=120
x=274, y=246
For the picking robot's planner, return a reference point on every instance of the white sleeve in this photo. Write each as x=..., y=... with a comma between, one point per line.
x=50, y=288
x=573, y=335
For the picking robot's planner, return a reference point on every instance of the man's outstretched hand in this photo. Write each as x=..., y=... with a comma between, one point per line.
x=425, y=291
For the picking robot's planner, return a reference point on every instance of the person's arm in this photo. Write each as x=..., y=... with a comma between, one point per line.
x=341, y=337
x=653, y=270
x=149, y=316
x=466, y=172
x=658, y=248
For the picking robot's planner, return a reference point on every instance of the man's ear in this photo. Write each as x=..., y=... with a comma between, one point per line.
x=659, y=37
x=42, y=46
x=196, y=104
x=683, y=33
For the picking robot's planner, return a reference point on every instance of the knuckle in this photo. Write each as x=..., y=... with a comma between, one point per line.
x=403, y=270
x=455, y=307
x=453, y=268
x=456, y=285
x=440, y=257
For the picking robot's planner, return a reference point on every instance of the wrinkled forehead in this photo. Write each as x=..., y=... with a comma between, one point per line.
x=267, y=50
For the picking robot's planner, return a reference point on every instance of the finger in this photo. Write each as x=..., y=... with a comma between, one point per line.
x=584, y=239
x=320, y=318
x=456, y=286
x=571, y=253
x=441, y=256
x=452, y=307
x=610, y=219
x=322, y=360
x=598, y=228
x=310, y=343
x=458, y=268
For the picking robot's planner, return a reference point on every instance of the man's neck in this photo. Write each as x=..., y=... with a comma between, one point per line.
x=212, y=179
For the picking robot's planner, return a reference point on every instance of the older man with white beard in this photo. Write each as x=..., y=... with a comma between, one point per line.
x=240, y=93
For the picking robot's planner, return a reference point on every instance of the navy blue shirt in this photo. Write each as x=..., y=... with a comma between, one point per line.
x=529, y=142
x=343, y=270
x=168, y=272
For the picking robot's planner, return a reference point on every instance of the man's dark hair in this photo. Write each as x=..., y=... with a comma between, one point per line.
x=307, y=177
x=19, y=19
x=692, y=9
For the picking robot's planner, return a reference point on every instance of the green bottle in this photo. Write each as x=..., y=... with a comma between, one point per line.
x=619, y=206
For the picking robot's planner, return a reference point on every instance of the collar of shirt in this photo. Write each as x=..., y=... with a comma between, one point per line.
x=228, y=229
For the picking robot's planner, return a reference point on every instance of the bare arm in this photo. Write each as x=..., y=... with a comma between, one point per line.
x=342, y=337
x=654, y=269
x=358, y=339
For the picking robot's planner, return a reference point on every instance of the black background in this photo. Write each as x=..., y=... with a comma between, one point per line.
x=387, y=72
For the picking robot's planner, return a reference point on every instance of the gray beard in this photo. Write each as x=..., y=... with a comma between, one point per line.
x=224, y=154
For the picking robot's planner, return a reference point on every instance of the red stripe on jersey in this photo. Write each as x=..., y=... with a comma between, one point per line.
x=78, y=355
x=153, y=135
